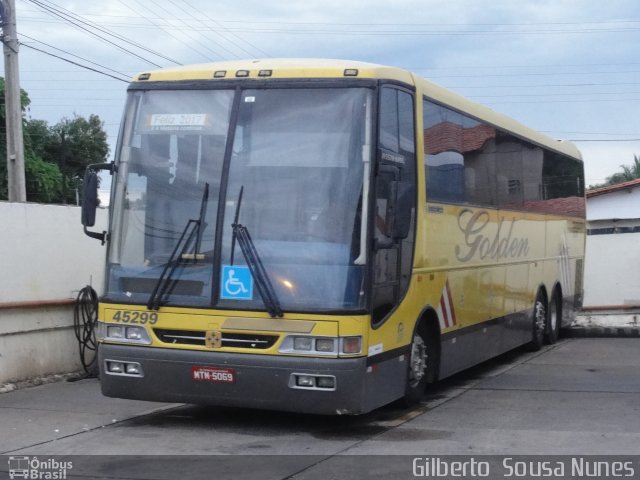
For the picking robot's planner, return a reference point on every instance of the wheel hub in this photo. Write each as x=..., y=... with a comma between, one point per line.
x=418, y=360
x=541, y=316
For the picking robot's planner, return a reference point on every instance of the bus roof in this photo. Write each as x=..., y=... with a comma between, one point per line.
x=327, y=68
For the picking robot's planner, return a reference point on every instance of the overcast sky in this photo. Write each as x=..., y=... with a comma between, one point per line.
x=569, y=68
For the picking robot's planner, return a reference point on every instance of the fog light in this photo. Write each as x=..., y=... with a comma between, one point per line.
x=133, y=368
x=115, y=331
x=326, y=382
x=305, y=381
x=115, y=367
x=302, y=343
x=325, y=345
x=351, y=345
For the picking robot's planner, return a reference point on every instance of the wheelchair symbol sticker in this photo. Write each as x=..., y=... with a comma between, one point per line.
x=237, y=283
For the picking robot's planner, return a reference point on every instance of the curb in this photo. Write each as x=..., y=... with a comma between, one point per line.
x=620, y=332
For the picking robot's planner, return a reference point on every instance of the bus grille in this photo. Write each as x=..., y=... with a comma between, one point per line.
x=235, y=340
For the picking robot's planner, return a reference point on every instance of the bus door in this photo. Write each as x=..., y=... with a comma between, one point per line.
x=394, y=201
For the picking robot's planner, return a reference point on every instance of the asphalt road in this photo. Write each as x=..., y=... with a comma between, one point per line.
x=578, y=397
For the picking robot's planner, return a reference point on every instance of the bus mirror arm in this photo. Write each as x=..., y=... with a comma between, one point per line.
x=90, y=198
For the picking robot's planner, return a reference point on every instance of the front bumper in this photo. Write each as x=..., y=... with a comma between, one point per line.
x=261, y=381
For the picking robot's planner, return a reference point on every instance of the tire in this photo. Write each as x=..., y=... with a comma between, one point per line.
x=554, y=319
x=421, y=366
x=539, y=322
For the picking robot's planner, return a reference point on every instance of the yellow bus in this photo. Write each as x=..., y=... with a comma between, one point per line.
x=325, y=236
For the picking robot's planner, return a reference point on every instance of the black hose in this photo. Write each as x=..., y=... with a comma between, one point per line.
x=85, y=318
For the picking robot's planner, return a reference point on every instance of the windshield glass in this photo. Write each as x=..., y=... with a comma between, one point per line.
x=298, y=156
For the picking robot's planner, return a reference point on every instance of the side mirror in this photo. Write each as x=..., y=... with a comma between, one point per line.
x=399, y=209
x=90, y=199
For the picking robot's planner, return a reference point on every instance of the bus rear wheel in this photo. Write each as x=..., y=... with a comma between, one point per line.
x=420, y=366
x=554, y=318
x=540, y=316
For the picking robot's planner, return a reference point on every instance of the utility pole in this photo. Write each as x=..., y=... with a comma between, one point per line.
x=13, y=108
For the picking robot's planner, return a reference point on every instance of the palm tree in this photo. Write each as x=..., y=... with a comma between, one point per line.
x=629, y=172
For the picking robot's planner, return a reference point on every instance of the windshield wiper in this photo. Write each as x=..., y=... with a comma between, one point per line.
x=248, y=248
x=192, y=231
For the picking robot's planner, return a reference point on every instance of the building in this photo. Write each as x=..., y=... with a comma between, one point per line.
x=612, y=282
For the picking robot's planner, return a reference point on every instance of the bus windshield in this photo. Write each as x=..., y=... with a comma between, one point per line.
x=298, y=155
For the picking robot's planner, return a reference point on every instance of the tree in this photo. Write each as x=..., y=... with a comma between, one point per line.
x=629, y=172
x=43, y=179
x=72, y=145
x=55, y=157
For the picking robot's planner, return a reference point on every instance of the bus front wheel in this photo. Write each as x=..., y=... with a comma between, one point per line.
x=420, y=367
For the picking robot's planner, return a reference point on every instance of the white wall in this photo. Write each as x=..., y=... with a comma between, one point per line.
x=611, y=270
x=620, y=204
x=46, y=258
x=612, y=261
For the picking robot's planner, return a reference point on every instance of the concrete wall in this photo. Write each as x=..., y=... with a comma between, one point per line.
x=46, y=259
x=611, y=270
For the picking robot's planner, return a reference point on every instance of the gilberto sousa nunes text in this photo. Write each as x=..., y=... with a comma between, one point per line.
x=527, y=467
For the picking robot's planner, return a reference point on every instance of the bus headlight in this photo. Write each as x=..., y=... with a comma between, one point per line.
x=321, y=346
x=325, y=345
x=122, y=333
x=303, y=343
x=115, y=331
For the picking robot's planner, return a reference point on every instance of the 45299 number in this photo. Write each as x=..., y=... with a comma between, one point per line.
x=135, y=317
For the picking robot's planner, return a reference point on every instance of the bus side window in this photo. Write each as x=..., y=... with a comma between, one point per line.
x=443, y=159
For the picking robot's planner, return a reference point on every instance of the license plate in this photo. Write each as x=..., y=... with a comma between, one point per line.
x=213, y=374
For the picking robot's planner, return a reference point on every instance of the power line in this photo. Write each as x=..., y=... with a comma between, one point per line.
x=161, y=28
x=430, y=24
x=74, y=63
x=429, y=33
x=188, y=34
x=570, y=94
x=597, y=100
x=206, y=31
x=594, y=84
x=98, y=27
x=604, y=140
x=501, y=67
x=334, y=32
x=221, y=25
x=532, y=74
x=413, y=24
x=53, y=12
x=424, y=24
x=585, y=133
x=72, y=54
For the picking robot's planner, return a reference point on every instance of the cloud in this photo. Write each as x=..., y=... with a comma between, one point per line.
x=471, y=38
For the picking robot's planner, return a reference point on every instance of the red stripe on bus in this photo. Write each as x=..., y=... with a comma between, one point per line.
x=453, y=313
x=443, y=307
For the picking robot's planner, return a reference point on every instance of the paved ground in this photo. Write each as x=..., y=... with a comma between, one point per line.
x=578, y=397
